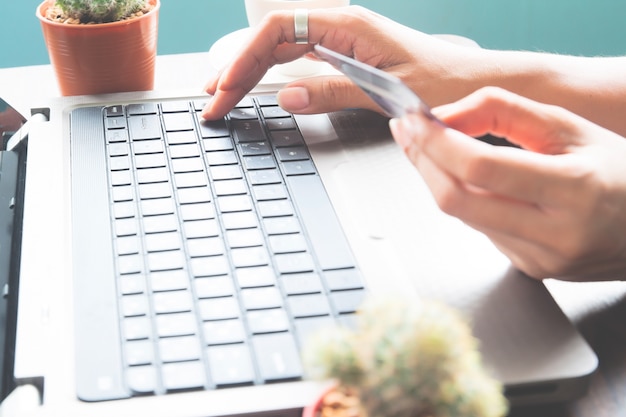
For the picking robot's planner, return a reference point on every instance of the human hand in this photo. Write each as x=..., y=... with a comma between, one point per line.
x=422, y=61
x=555, y=207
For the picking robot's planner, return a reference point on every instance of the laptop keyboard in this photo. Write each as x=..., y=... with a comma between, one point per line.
x=228, y=251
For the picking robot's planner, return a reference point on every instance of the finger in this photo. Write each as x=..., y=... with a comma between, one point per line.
x=272, y=42
x=322, y=95
x=487, y=211
x=534, y=126
x=510, y=172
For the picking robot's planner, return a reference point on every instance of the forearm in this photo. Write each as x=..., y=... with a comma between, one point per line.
x=594, y=88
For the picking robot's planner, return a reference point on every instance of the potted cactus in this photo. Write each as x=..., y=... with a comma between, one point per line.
x=101, y=46
x=403, y=359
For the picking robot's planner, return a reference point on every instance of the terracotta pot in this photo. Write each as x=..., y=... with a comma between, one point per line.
x=102, y=58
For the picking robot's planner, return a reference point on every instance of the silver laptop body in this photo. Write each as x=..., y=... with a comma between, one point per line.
x=400, y=239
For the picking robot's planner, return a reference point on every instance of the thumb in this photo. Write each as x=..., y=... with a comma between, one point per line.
x=323, y=94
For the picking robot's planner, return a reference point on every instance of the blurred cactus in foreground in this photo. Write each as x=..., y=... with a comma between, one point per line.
x=408, y=359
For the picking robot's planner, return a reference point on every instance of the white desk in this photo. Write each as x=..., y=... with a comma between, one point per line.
x=598, y=309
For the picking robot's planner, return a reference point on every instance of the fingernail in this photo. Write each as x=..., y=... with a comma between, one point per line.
x=205, y=110
x=405, y=130
x=293, y=99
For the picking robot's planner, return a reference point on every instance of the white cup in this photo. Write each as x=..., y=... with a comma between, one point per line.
x=257, y=9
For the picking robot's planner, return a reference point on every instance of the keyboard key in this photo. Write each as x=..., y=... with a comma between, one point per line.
x=255, y=148
x=343, y=279
x=223, y=332
x=282, y=138
x=291, y=168
x=310, y=326
x=244, y=238
x=181, y=138
x=271, y=112
x=281, y=123
x=175, y=122
x=158, y=190
x=160, y=242
x=240, y=220
x=121, y=178
x=124, y=210
x=183, y=376
x=221, y=158
x=293, y=153
x=226, y=172
x=218, y=144
x=268, y=321
x=160, y=224
x=275, y=208
x=187, y=165
x=306, y=283
x=132, y=284
x=309, y=305
x=129, y=264
x=185, y=151
x=269, y=192
x=177, y=324
x=230, y=204
x=218, y=308
x=260, y=276
x=201, y=228
x=213, y=129
x=165, y=261
x=261, y=298
x=243, y=113
x=150, y=161
x=142, y=108
x=277, y=356
x=281, y=225
x=347, y=301
x=154, y=146
x=127, y=245
x=123, y=194
x=175, y=106
x=210, y=266
x=194, y=195
x=209, y=246
x=153, y=175
x=248, y=131
x=220, y=286
x=190, y=179
x=172, y=302
x=169, y=280
x=144, y=127
x=136, y=328
x=179, y=349
x=324, y=230
x=259, y=162
x=157, y=206
x=288, y=243
x=139, y=352
x=142, y=379
x=265, y=176
x=294, y=262
x=135, y=305
x=230, y=187
x=230, y=364
x=248, y=257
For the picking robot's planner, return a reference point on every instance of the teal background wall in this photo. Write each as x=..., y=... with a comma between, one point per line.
x=580, y=27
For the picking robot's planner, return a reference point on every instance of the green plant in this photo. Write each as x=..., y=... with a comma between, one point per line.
x=408, y=359
x=100, y=11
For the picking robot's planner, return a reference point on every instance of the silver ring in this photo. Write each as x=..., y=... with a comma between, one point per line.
x=301, y=25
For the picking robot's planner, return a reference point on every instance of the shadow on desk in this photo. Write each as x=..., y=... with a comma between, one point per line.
x=605, y=330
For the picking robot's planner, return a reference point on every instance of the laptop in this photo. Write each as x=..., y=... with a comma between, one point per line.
x=122, y=302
